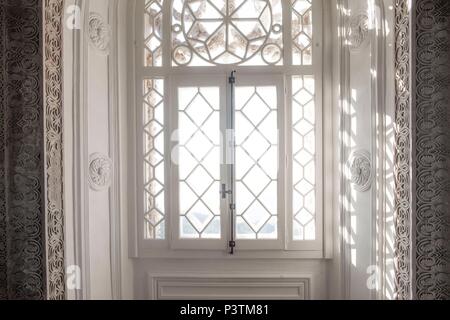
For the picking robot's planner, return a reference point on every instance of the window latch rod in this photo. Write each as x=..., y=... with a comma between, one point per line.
x=232, y=242
x=224, y=192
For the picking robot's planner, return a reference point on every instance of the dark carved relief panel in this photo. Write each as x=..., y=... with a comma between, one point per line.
x=22, y=235
x=3, y=286
x=423, y=117
x=432, y=108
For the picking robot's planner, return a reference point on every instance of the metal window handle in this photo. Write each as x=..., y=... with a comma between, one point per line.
x=224, y=191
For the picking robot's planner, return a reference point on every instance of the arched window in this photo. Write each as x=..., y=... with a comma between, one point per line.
x=229, y=124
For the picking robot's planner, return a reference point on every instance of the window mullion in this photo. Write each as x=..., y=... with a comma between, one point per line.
x=287, y=33
x=167, y=35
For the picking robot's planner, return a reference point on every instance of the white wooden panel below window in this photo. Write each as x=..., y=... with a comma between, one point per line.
x=211, y=287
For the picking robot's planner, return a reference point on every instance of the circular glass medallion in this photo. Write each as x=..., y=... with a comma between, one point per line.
x=271, y=53
x=277, y=28
x=182, y=55
x=176, y=28
x=227, y=31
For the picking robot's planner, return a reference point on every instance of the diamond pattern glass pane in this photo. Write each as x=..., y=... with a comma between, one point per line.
x=218, y=32
x=153, y=137
x=199, y=162
x=153, y=18
x=256, y=163
x=304, y=158
x=302, y=32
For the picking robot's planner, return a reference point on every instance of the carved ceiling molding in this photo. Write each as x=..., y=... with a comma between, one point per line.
x=100, y=171
x=99, y=33
x=360, y=169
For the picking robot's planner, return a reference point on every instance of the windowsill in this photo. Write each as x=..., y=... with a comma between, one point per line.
x=223, y=255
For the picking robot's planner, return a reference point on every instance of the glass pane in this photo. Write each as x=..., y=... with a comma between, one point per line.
x=218, y=32
x=302, y=32
x=153, y=124
x=153, y=18
x=304, y=158
x=199, y=162
x=256, y=163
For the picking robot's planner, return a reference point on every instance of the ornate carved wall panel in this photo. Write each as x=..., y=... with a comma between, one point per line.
x=53, y=110
x=403, y=150
x=31, y=154
x=423, y=148
x=22, y=235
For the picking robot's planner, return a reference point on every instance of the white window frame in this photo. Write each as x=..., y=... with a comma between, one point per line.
x=285, y=246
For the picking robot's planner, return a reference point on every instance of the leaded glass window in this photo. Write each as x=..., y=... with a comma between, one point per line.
x=256, y=162
x=223, y=32
x=199, y=167
x=153, y=136
x=189, y=195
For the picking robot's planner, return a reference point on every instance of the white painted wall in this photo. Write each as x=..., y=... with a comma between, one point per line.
x=68, y=86
x=98, y=141
x=361, y=211
x=95, y=89
x=364, y=97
